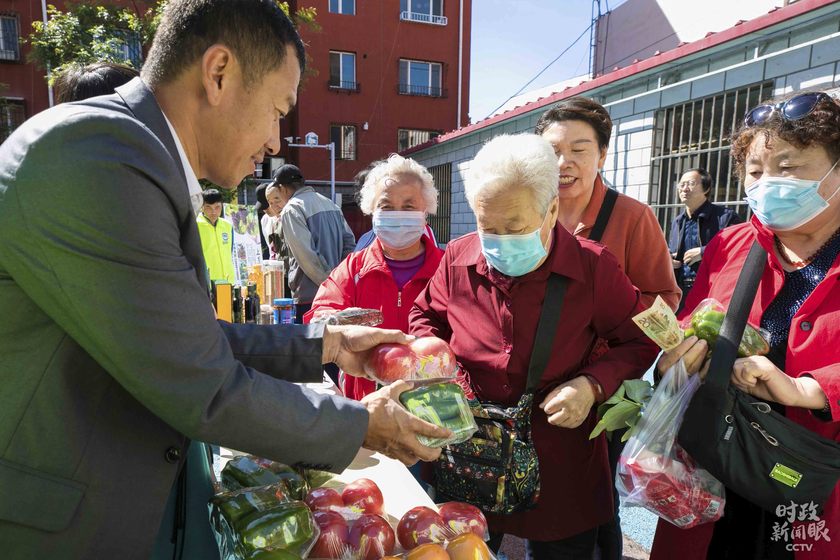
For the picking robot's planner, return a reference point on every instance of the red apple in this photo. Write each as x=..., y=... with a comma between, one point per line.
x=323, y=499
x=421, y=525
x=391, y=362
x=463, y=518
x=334, y=535
x=364, y=495
x=372, y=536
x=435, y=355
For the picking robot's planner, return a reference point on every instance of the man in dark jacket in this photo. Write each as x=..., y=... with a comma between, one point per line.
x=695, y=226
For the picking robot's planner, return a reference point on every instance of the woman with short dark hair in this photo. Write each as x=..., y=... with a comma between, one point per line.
x=787, y=153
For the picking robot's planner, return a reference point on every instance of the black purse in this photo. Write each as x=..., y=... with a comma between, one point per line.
x=497, y=469
x=764, y=457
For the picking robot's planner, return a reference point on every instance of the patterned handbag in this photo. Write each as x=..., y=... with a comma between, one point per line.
x=497, y=469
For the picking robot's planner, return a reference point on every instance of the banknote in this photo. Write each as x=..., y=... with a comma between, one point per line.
x=660, y=324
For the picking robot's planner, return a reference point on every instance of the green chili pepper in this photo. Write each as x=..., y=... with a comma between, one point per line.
x=289, y=526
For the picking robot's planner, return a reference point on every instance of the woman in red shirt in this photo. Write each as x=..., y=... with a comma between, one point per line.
x=787, y=153
x=390, y=273
x=485, y=300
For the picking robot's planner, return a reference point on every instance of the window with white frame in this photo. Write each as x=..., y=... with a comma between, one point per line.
x=344, y=138
x=9, y=38
x=424, y=11
x=12, y=115
x=343, y=70
x=408, y=137
x=420, y=78
x=346, y=7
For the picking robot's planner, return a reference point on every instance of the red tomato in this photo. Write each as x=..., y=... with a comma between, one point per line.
x=435, y=355
x=463, y=518
x=372, y=536
x=323, y=499
x=421, y=525
x=364, y=495
x=334, y=535
x=392, y=362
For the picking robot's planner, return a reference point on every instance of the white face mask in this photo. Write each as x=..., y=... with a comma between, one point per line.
x=398, y=229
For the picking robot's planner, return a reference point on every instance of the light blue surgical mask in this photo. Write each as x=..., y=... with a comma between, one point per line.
x=785, y=203
x=398, y=229
x=513, y=254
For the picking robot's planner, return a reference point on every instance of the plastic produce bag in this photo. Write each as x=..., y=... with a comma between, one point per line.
x=350, y=316
x=442, y=403
x=654, y=472
x=246, y=471
x=705, y=322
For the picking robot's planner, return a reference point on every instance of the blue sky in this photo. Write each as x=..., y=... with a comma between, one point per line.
x=512, y=40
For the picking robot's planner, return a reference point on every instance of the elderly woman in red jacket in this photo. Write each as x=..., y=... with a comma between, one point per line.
x=485, y=300
x=787, y=152
x=390, y=273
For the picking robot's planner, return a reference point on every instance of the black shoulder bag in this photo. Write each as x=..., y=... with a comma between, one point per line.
x=603, y=215
x=497, y=469
x=757, y=452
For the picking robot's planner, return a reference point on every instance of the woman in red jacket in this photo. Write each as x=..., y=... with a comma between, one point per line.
x=390, y=273
x=787, y=153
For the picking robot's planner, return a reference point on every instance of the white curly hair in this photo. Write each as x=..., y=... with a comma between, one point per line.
x=397, y=168
x=514, y=161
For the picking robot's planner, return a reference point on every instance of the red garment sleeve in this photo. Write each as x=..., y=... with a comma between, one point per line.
x=700, y=290
x=337, y=292
x=649, y=262
x=630, y=352
x=829, y=379
x=428, y=314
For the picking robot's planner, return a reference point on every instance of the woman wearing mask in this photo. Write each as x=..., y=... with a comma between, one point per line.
x=787, y=153
x=486, y=299
x=390, y=273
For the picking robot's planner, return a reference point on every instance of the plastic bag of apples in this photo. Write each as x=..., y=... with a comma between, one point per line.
x=353, y=526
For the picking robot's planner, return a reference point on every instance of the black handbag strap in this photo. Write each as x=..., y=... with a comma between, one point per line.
x=603, y=215
x=735, y=321
x=552, y=306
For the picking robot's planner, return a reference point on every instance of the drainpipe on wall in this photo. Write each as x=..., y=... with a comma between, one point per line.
x=460, y=57
x=49, y=88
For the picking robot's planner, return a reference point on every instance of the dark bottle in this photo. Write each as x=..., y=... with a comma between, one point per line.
x=252, y=304
x=238, y=305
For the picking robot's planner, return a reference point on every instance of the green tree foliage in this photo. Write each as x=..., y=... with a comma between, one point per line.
x=89, y=31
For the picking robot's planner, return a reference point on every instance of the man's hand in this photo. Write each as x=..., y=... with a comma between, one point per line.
x=349, y=345
x=757, y=376
x=692, y=256
x=568, y=405
x=393, y=431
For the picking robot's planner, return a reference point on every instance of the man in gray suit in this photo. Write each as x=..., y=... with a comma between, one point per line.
x=111, y=359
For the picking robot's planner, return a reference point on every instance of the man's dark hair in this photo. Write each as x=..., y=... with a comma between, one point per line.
x=262, y=201
x=81, y=82
x=257, y=31
x=211, y=196
x=579, y=109
x=705, y=178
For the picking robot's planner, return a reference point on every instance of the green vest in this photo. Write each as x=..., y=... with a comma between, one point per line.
x=217, y=244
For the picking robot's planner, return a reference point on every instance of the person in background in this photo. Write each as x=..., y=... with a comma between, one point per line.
x=787, y=155
x=78, y=82
x=579, y=130
x=262, y=208
x=390, y=273
x=367, y=238
x=485, y=300
x=316, y=233
x=216, y=238
x=695, y=225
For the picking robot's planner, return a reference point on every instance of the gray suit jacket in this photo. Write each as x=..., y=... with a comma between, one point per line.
x=110, y=355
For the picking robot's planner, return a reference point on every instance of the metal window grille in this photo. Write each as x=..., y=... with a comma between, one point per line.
x=12, y=115
x=697, y=134
x=344, y=137
x=343, y=71
x=442, y=174
x=418, y=77
x=9, y=38
x=423, y=11
x=408, y=138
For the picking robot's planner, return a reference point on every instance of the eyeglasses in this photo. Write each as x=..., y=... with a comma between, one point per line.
x=691, y=183
x=793, y=109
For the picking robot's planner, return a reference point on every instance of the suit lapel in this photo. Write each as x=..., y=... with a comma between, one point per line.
x=142, y=103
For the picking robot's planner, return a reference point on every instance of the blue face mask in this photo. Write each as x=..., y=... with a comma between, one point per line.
x=785, y=203
x=513, y=254
x=398, y=229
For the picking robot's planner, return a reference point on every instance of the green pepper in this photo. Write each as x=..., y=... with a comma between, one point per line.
x=442, y=404
x=246, y=472
x=706, y=325
x=272, y=554
x=239, y=503
x=289, y=526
